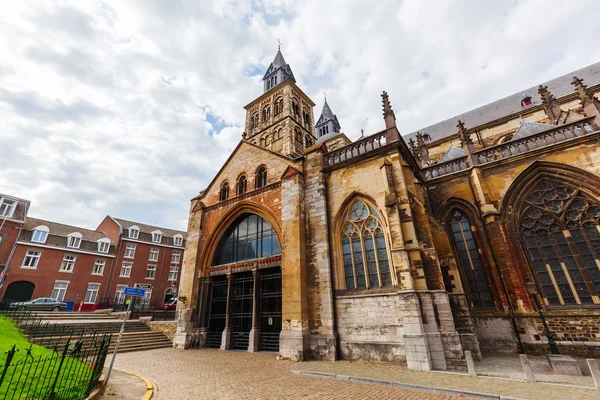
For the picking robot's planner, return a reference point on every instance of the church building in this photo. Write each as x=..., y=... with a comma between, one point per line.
x=408, y=249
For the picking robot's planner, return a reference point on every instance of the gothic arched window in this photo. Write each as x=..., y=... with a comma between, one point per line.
x=261, y=177
x=560, y=228
x=248, y=238
x=276, y=108
x=224, y=192
x=470, y=261
x=281, y=105
x=240, y=186
x=364, y=250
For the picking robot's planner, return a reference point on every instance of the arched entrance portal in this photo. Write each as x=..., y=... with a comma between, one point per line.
x=19, y=291
x=245, y=305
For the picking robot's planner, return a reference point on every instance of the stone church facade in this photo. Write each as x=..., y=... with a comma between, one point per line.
x=401, y=249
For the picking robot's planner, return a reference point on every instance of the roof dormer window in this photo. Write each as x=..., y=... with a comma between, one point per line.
x=103, y=245
x=526, y=101
x=7, y=207
x=134, y=232
x=157, y=236
x=74, y=240
x=40, y=234
x=178, y=240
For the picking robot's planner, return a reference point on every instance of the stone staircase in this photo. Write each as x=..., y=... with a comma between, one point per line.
x=136, y=337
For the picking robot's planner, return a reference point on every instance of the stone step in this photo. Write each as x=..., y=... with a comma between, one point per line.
x=139, y=348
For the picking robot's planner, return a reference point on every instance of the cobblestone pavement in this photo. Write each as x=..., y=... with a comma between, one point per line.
x=214, y=374
x=397, y=373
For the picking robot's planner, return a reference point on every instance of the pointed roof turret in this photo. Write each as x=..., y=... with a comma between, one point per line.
x=278, y=71
x=328, y=122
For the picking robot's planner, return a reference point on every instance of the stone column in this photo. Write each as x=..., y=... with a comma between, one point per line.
x=451, y=339
x=463, y=324
x=204, y=308
x=430, y=326
x=416, y=344
x=226, y=337
x=255, y=331
x=295, y=334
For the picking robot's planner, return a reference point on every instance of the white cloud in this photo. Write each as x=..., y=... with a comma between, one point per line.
x=129, y=108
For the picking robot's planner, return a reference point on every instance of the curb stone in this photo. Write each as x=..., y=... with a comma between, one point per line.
x=451, y=392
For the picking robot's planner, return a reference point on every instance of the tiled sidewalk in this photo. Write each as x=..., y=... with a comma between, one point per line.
x=460, y=382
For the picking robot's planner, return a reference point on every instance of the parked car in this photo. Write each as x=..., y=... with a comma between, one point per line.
x=170, y=305
x=42, y=304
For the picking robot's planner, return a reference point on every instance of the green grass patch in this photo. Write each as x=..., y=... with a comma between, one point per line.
x=34, y=369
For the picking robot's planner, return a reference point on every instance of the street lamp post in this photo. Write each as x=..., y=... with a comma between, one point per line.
x=533, y=290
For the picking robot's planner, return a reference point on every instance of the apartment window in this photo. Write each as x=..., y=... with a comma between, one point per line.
x=7, y=207
x=99, y=267
x=150, y=271
x=178, y=240
x=134, y=232
x=103, y=247
x=74, y=240
x=173, y=273
x=40, y=234
x=157, y=236
x=60, y=290
x=176, y=257
x=92, y=293
x=154, y=254
x=130, y=250
x=147, y=296
x=68, y=263
x=126, y=270
x=31, y=259
x=120, y=294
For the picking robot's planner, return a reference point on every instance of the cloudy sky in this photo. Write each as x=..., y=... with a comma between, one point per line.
x=128, y=108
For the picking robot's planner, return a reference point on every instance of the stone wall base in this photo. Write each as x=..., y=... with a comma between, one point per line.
x=573, y=349
x=322, y=348
x=294, y=344
x=373, y=351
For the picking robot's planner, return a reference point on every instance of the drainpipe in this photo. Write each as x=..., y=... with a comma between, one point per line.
x=162, y=266
x=502, y=281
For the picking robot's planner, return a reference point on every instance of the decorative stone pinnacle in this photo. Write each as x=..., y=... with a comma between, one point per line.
x=582, y=90
x=387, y=108
x=420, y=140
x=465, y=138
x=413, y=148
x=547, y=97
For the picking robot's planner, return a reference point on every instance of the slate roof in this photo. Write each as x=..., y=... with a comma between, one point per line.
x=279, y=62
x=57, y=236
x=327, y=115
x=559, y=87
x=125, y=224
x=530, y=128
x=452, y=153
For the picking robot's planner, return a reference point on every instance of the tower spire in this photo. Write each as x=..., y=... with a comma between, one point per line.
x=328, y=122
x=278, y=71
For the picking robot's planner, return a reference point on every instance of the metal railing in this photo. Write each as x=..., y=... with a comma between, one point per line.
x=70, y=370
x=140, y=308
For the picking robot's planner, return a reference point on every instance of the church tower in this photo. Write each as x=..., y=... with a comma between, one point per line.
x=328, y=122
x=282, y=118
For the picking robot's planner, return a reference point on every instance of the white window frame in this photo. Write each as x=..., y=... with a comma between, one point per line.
x=91, y=292
x=133, y=232
x=40, y=234
x=34, y=259
x=120, y=294
x=154, y=253
x=127, y=266
x=157, y=236
x=104, y=246
x=173, y=272
x=7, y=210
x=98, y=268
x=74, y=240
x=176, y=257
x=147, y=296
x=60, y=290
x=178, y=240
x=68, y=261
x=130, y=250
x=151, y=268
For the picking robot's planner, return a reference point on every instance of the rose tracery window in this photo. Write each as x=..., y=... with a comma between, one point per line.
x=470, y=262
x=364, y=250
x=560, y=229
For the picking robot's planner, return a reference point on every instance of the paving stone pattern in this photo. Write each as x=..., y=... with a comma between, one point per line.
x=464, y=382
x=215, y=374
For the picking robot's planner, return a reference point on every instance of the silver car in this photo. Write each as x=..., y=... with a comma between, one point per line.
x=42, y=304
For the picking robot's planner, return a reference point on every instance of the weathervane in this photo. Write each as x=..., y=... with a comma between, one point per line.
x=325, y=95
x=279, y=46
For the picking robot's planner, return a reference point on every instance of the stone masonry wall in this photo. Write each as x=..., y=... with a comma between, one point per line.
x=370, y=328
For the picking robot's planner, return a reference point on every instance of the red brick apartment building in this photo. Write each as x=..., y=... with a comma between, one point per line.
x=85, y=267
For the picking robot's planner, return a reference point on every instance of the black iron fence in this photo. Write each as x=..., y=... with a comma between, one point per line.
x=68, y=368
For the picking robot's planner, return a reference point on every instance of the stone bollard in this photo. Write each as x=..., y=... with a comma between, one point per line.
x=527, y=368
x=595, y=371
x=470, y=363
